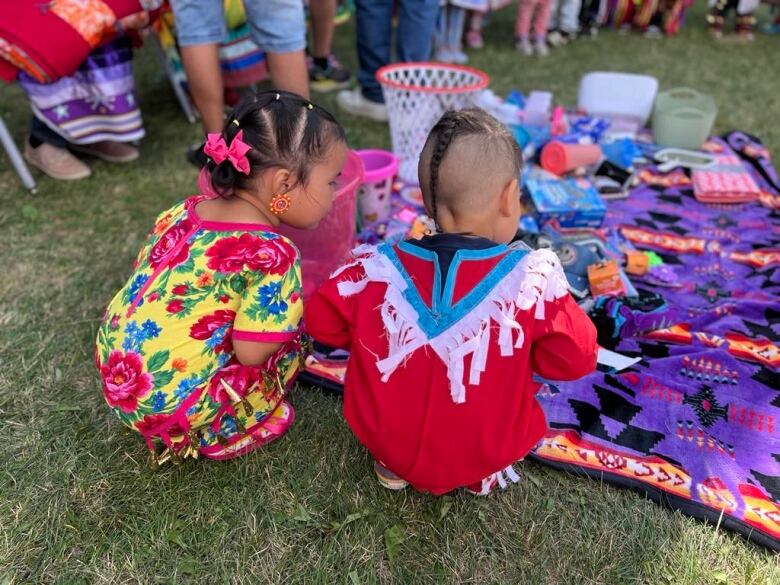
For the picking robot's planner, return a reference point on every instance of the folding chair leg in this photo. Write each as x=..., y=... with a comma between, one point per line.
x=184, y=100
x=16, y=157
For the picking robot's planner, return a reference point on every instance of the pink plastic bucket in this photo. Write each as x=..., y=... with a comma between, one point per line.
x=324, y=248
x=373, y=196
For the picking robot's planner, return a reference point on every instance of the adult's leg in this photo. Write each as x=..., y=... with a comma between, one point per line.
x=374, y=37
x=322, y=13
x=416, y=22
x=200, y=27
x=569, y=16
x=279, y=28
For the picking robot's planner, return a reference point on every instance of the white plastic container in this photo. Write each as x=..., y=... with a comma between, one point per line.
x=611, y=95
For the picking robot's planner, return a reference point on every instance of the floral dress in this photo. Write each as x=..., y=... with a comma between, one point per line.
x=164, y=348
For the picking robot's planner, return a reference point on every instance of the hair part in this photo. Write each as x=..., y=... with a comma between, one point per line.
x=485, y=150
x=284, y=131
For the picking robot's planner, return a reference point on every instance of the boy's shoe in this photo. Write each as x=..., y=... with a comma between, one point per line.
x=474, y=39
x=354, y=102
x=388, y=479
x=108, y=150
x=330, y=78
x=540, y=46
x=524, y=46
x=56, y=162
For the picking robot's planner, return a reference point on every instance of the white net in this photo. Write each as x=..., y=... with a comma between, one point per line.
x=416, y=95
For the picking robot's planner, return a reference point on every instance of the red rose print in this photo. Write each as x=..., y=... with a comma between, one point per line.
x=153, y=297
x=167, y=248
x=175, y=306
x=206, y=327
x=239, y=378
x=180, y=289
x=124, y=380
x=257, y=254
x=224, y=299
x=294, y=297
x=152, y=422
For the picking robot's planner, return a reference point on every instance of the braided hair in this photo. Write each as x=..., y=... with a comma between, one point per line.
x=284, y=131
x=454, y=125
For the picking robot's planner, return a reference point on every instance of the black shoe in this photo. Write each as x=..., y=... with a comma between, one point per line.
x=196, y=156
x=330, y=78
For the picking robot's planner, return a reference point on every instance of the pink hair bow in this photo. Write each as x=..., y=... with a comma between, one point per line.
x=218, y=150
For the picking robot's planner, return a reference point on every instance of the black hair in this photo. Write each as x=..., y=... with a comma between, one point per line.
x=284, y=131
x=457, y=124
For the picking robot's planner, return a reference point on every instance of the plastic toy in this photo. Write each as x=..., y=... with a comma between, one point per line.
x=374, y=195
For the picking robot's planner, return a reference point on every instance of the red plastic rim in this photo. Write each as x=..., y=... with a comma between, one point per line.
x=484, y=78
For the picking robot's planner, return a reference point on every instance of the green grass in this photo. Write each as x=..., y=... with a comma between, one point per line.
x=79, y=505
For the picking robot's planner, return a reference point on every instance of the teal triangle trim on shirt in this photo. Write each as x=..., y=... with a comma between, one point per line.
x=442, y=314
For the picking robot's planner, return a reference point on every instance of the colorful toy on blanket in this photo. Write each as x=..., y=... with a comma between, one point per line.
x=619, y=318
x=560, y=158
x=683, y=118
x=572, y=202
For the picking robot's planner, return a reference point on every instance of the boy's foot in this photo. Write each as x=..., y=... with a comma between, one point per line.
x=354, y=102
x=540, y=46
x=56, y=162
x=330, y=77
x=108, y=150
x=474, y=39
x=524, y=46
x=388, y=479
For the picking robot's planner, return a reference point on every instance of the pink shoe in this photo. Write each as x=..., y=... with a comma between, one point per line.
x=474, y=39
x=273, y=427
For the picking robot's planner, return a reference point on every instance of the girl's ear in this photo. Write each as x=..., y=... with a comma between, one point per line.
x=280, y=181
x=509, y=198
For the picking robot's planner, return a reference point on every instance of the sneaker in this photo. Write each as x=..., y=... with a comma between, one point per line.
x=330, y=78
x=653, y=32
x=474, y=39
x=444, y=55
x=56, y=162
x=388, y=479
x=556, y=39
x=524, y=46
x=354, y=102
x=108, y=150
x=771, y=29
x=195, y=155
x=540, y=46
x=459, y=57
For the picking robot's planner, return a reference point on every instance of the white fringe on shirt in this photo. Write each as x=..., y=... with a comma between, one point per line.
x=537, y=278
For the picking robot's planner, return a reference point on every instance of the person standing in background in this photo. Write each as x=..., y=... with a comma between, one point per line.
x=278, y=27
x=416, y=22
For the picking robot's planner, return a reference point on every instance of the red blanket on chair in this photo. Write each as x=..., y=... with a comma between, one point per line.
x=49, y=39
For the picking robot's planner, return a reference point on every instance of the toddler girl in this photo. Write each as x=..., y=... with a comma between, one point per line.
x=446, y=332
x=198, y=349
x=539, y=12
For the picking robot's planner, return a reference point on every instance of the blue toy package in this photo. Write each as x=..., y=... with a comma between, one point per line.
x=573, y=202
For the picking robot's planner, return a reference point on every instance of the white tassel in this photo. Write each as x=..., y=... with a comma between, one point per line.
x=537, y=278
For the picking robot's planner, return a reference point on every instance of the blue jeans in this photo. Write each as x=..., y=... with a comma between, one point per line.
x=416, y=22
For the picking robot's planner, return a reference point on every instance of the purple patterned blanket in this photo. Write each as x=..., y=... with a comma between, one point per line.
x=696, y=424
